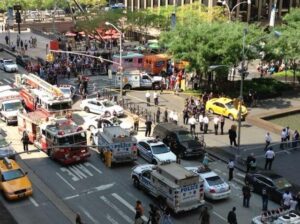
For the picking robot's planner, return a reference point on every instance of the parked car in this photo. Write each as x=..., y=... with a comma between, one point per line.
x=155, y=151
x=276, y=185
x=8, y=65
x=179, y=139
x=6, y=149
x=22, y=60
x=97, y=106
x=90, y=122
x=215, y=188
x=68, y=91
x=226, y=107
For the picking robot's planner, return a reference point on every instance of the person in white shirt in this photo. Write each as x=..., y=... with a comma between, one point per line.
x=175, y=117
x=201, y=122
x=270, y=155
x=283, y=138
x=171, y=115
x=192, y=122
x=286, y=199
x=230, y=166
x=268, y=140
x=147, y=95
x=216, y=124
x=206, y=122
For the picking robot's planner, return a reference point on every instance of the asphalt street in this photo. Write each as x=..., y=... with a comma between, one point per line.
x=101, y=195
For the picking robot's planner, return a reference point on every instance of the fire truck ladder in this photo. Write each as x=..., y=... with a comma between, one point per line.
x=31, y=78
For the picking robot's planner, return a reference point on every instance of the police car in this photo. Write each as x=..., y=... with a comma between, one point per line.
x=215, y=188
x=155, y=151
x=68, y=91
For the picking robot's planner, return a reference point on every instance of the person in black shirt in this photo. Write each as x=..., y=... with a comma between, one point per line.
x=148, y=124
x=231, y=217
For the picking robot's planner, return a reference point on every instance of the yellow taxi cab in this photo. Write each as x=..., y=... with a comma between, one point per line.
x=226, y=107
x=14, y=182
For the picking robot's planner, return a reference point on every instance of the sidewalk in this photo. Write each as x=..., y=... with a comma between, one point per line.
x=252, y=137
x=38, y=52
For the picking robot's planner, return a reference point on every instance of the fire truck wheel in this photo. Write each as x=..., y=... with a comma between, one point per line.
x=86, y=109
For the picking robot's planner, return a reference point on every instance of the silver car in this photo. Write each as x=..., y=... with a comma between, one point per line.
x=6, y=150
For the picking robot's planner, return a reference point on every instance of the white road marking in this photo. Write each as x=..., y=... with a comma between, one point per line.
x=33, y=202
x=87, y=164
x=73, y=176
x=111, y=219
x=100, y=188
x=71, y=197
x=122, y=214
x=64, y=180
x=240, y=174
x=84, y=169
x=220, y=216
x=89, y=215
x=217, y=170
x=124, y=202
x=1, y=82
x=234, y=186
x=78, y=172
x=239, y=181
x=6, y=80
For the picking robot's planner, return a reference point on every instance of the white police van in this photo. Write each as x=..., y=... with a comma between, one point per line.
x=174, y=186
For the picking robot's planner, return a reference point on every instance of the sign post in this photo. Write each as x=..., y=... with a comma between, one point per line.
x=10, y=22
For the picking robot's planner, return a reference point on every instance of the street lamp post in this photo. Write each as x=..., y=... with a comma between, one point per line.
x=224, y=2
x=120, y=62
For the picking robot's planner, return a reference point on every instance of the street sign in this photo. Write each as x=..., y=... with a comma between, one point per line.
x=109, y=74
x=10, y=16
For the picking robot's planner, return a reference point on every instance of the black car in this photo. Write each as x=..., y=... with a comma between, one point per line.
x=275, y=184
x=23, y=60
x=179, y=139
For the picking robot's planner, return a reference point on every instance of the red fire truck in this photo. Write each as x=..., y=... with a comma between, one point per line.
x=39, y=94
x=63, y=140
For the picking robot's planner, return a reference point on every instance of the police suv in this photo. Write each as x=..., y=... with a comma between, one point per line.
x=174, y=186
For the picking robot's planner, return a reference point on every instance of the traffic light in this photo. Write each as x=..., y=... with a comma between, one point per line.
x=18, y=17
x=49, y=57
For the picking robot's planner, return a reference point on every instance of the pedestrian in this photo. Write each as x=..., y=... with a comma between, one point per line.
x=148, y=124
x=246, y=195
x=21, y=43
x=288, y=136
x=205, y=160
x=216, y=124
x=283, y=138
x=26, y=45
x=155, y=98
x=268, y=140
x=175, y=117
x=201, y=117
x=231, y=217
x=192, y=122
x=230, y=167
x=154, y=215
x=265, y=199
x=78, y=219
x=136, y=121
x=295, y=139
x=298, y=201
x=204, y=216
x=269, y=156
x=206, y=123
x=232, y=135
x=158, y=115
x=6, y=39
x=222, y=123
x=166, y=218
x=147, y=95
x=286, y=199
x=166, y=115
x=139, y=211
x=249, y=160
x=185, y=115
x=294, y=204
x=25, y=140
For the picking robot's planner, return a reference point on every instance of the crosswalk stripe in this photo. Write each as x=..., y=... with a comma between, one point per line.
x=6, y=80
x=124, y=202
x=111, y=219
x=122, y=214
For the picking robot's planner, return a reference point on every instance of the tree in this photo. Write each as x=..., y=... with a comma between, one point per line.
x=204, y=44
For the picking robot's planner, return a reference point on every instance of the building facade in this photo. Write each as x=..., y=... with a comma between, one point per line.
x=259, y=9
